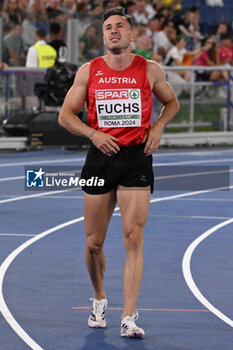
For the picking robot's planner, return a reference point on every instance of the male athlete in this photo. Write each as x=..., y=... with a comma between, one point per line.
x=117, y=88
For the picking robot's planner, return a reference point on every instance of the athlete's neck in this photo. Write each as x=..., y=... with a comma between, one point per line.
x=119, y=62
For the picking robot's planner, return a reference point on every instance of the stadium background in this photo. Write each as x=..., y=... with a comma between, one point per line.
x=205, y=105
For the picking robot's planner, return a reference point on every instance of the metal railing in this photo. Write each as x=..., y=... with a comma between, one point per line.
x=193, y=84
x=17, y=92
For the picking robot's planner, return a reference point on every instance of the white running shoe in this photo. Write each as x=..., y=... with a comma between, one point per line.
x=97, y=316
x=130, y=329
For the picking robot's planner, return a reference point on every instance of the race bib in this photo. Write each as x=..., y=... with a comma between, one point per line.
x=118, y=108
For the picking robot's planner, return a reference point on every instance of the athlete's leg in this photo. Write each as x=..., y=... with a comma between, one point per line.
x=98, y=210
x=134, y=205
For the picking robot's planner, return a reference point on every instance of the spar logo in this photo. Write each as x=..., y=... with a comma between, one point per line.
x=134, y=94
x=112, y=94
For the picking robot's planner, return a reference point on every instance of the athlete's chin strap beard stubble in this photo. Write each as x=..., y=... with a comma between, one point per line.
x=118, y=50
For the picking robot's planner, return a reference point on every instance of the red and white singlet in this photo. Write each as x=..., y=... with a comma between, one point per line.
x=120, y=102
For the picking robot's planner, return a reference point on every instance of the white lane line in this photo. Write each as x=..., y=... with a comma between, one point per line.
x=193, y=153
x=189, y=194
x=188, y=275
x=3, y=268
x=65, y=160
x=12, y=178
x=192, y=174
x=48, y=197
x=7, y=262
x=184, y=216
x=206, y=199
x=31, y=196
x=210, y=217
x=17, y=234
x=205, y=161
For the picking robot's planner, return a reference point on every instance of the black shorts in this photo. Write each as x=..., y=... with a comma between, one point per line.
x=130, y=167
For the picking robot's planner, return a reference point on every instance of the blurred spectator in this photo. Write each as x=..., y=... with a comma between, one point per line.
x=161, y=19
x=121, y=3
x=60, y=18
x=29, y=30
x=13, y=50
x=164, y=38
x=41, y=54
x=172, y=4
x=139, y=30
x=144, y=12
x=163, y=11
x=3, y=66
x=82, y=8
x=152, y=32
x=145, y=48
x=195, y=29
x=195, y=24
x=53, y=8
x=186, y=24
x=130, y=8
x=7, y=28
x=176, y=55
x=13, y=13
x=4, y=15
x=22, y=8
x=54, y=39
x=68, y=8
x=157, y=4
x=41, y=21
x=221, y=29
x=210, y=58
x=89, y=44
x=96, y=11
x=39, y=5
x=226, y=50
x=108, y=4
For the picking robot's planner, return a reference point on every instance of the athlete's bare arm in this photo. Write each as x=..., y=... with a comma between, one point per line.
x=165, y=94
x=73, y=102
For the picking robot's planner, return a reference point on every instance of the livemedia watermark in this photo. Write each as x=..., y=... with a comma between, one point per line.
x=166, y=178
x=52, y=178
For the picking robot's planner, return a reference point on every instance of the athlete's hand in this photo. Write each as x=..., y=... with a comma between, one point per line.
x=105, y=142
x=152, y=138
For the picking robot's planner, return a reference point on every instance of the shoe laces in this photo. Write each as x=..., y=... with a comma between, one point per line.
x=98, y=306
x=130, y=320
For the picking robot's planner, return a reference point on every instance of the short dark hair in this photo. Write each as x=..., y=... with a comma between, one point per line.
x=193, y=9
x=130, y=3
x=225, y=37
x=54, y=28
x=41, y=33
x=166, y=22
x=180, y=37
x=119, y=11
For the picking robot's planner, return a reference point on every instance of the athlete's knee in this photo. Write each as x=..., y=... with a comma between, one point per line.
x=94, y=249
x=133, y=236
x=93, y=245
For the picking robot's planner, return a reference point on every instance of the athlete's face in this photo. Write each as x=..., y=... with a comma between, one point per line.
x=117, y=34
